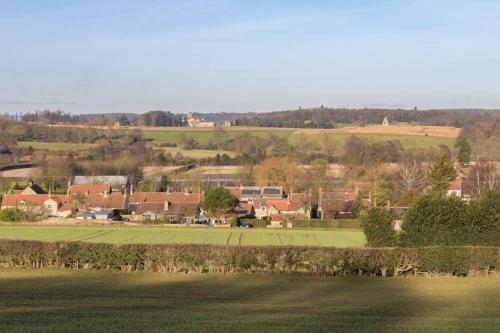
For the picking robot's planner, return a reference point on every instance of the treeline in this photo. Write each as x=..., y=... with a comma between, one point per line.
x=160, y=119
x=459, y=261
x=330, y=118
x=484, y=138
x=58, y=116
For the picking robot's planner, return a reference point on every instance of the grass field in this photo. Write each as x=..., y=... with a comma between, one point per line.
x=55, y=146
x=407, y=141
x=70, y=301
x=204, y=135
x=197, y=153
x=409, y=136
x=156, y=235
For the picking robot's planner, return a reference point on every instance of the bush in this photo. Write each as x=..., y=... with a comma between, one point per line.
x=11, y=215
x=434, y=219
x=485, y=220
x=227, y=259
x=378, y=227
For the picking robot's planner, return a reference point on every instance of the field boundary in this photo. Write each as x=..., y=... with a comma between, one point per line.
x=458, y=261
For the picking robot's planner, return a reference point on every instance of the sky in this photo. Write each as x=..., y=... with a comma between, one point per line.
x=93, y=56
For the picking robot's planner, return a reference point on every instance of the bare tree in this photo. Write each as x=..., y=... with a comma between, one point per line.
x=483, y=177
x=410, y=177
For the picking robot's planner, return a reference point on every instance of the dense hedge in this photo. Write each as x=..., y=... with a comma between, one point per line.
x=440, y=220
x=315, y=223
x=227, y=259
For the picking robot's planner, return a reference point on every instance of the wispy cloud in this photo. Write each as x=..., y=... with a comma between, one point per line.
x=39, y=103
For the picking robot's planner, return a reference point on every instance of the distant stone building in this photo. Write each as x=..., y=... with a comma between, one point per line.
x=385, y=122
x=195, y=122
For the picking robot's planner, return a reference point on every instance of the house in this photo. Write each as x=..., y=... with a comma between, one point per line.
x=277, y=221
x=176, y=206
x=296, y=205
x=244, y=210
x=250, y=193
x=338, y=203
x=32, y=189
x=89, y=189
x=114, y=201
x=118, y=183
x=455, y=188
x=175, y=212
x=39, y=204
x=300, y=204
x=195, y=122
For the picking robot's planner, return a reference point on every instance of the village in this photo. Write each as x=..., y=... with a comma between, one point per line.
x=113, y=198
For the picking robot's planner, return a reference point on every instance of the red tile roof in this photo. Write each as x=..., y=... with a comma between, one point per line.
x=67, y=206
x=277, y=218
x=244, y=209
x=89, y=189
x=455, y=185
x=114, y=200
x=180, y=197
x=138, y=197
x=155, y=207
x=173, y=197
x=12, y=200
x=280, y=204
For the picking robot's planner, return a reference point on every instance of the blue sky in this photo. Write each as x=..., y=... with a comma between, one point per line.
x=236, y=56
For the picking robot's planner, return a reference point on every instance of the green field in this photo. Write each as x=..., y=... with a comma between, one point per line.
x=204, y=135
x=90, y=301
x=182, y=235
x=407, y=141
x=197, y=153
x=55, y=146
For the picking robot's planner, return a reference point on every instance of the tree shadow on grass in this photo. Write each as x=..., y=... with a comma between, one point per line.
x=155, y=302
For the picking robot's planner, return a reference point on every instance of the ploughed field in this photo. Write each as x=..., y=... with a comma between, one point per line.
x=72, y=301
x=183, y=235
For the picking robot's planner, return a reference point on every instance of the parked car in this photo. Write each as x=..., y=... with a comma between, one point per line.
x=246, y=225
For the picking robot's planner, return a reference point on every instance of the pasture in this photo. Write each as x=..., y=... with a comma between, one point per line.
x=68, y=300
x=409, y=136
x=196, y=153
x=55, y=146
x=204, y=135
x=185, y=235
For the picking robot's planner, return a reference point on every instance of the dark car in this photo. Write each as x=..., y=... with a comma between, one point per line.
x=246, y=225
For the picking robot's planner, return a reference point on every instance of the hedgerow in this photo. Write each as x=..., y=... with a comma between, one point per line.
x=229, y=259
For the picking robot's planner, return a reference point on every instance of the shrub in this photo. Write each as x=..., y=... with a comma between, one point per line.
x=485, y=220
x=378, y=227
x=227, y=259
x=434, y=219
x=11, y=215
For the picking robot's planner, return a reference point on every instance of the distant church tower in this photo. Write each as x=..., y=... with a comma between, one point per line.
x=385, y=122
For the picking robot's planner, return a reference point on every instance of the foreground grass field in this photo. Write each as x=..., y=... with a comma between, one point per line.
x=159, y=235
x=69, y=301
